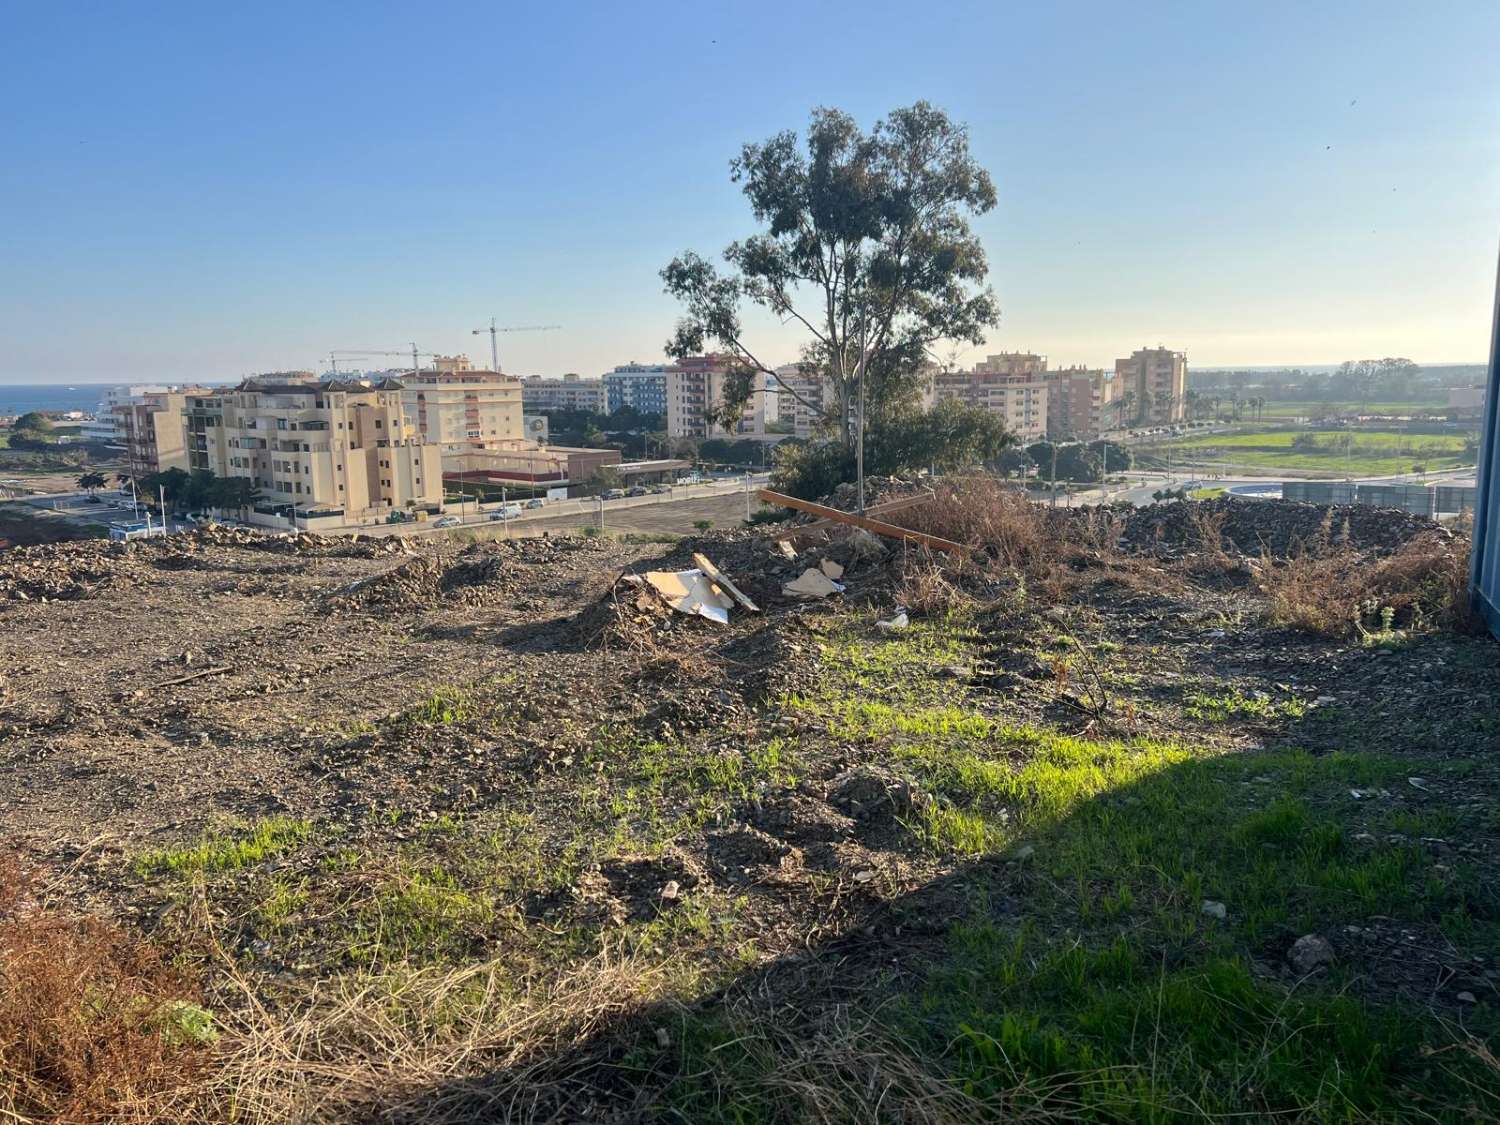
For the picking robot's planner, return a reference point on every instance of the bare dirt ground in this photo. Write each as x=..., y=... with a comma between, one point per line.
x=313, y=766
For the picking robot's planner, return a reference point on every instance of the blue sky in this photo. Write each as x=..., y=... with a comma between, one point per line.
x=204, y=190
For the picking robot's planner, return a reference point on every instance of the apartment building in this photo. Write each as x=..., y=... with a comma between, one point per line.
x=1152, y=385
x=695, y=388
x=332, y=454
x=801, y=399
x=1079, y=402
x=456, y=405
x=539, y=394
x=107, y=425
x=149, y=426
x=1012, y=385
x=641, y=386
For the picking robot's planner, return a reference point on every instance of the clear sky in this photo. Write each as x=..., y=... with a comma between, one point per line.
x=205, y=190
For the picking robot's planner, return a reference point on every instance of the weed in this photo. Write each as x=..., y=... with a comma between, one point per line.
x=228, y=851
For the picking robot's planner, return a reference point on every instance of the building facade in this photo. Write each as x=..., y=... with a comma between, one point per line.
x=321, y=454
x=461, y=406
x=151, y=430
x=1152, y=386
x=1079, y=402
x=1012, y=385
x=571, y=392
x=638, y=385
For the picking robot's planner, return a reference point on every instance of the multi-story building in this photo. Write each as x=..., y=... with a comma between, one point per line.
x=639, y=385
x=802, y=399
x=695, y=389
x=1152, y=386
x=1079, y=401
x=456, y=405
x=325, y=454
x=571, y=392
x=106, y=425
x=1012, y=385
x=150, y=428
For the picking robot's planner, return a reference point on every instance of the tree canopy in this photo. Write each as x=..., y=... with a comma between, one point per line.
x=865, y=245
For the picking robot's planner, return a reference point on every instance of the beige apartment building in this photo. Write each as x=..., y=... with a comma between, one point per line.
x=459, y=406
x=695, y=388
x=1012, y=385
x=150, y=426
x=333, y=454
x=1152, y=386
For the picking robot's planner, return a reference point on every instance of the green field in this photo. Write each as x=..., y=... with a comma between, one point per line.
x=1309, y=409
x=1376, y=453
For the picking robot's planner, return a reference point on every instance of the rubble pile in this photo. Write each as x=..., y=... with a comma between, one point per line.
x=59, y=571
x=289, y=542
x=1251, y=527
x=415, y=584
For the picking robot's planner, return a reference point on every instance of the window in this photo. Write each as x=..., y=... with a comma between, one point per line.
x=281, y=423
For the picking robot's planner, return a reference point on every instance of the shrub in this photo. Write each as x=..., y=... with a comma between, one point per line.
x=93, y=1024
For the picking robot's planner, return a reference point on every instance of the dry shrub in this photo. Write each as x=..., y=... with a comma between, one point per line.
x=1208, y=529
x=986, y=513
x=85, y=1027
x=926, y=588
x=1339, y=591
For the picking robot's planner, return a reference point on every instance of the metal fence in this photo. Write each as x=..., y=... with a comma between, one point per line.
x=1487, y=505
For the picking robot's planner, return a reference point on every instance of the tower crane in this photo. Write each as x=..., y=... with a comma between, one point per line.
x=492, y=330
x=354, y=352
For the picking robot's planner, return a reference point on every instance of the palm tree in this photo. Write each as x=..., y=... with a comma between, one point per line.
x=93, y=481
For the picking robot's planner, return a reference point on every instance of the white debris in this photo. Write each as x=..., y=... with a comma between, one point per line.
x=812, y=583
x=895, y=624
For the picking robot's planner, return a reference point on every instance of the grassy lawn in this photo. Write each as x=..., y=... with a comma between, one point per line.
x=1308, y=409
x=1371, y=454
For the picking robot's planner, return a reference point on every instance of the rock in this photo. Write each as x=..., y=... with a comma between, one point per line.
x=1215, y=909
x=864, y=790
x=671, y=891
x=1467, y=998
x=1309, y=953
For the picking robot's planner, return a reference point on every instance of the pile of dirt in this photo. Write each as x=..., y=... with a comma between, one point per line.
x=1252, y=527
x=415, y=584
x=60, y=571
x=288, y=542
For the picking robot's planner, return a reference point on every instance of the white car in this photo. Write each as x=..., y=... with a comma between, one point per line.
x=448, y=521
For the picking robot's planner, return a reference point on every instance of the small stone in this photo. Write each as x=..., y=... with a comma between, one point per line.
x=864, y=876
x=1215, y=909
x=663, y=1037
x=1467, y=998
x=1310, y=953
x=672, y=891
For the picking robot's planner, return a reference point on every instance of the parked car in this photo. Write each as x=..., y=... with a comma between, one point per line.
x=508, y=512
x=658, y=490
x=612, y=494
x=636, y=490
x=448, y=521
x=535, y=502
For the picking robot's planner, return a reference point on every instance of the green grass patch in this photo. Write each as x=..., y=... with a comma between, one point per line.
x=1224, y=706
x=229, y=851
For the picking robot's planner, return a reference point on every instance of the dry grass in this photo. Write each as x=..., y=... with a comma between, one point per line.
x=91, y=1027
x=428, y=1045
x=1340, y=592
x=985, y=513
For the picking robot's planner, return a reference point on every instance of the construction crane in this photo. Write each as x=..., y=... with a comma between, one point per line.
x=416, y=365
x=492, y=330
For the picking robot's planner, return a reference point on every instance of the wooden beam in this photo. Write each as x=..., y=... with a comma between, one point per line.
x=879, y=527
x=884, y=508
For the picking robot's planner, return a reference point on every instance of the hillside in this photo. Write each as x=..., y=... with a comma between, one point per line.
x=1183, y=812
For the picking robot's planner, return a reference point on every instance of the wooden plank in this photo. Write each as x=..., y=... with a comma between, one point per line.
x=885, y=507
x=722, y=579
x=879, y=527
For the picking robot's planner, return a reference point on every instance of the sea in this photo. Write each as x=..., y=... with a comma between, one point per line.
x=18, y=398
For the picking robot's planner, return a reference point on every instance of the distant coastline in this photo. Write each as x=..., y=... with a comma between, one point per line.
x=18, y=398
